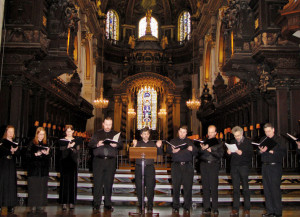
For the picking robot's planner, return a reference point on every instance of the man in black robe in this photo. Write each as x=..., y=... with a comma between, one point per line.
x=104, y=164
x=272, y=171
x=149, y=170
x=240, y=167
x=211, y=153
x=182, y=169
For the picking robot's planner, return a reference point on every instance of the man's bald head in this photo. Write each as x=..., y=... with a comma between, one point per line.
x=211, y=131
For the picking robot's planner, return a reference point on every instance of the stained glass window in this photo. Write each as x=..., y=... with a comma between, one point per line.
x=112, y=25
x=147, y=108
x=153, y=25
x=184, y=26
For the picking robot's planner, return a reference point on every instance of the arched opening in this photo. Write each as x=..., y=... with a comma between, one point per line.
x=184, y=26
x=112, y=25
x=153, y=25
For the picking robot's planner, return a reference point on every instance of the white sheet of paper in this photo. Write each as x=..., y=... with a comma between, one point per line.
x=116, y=137
x=231, y=147
x=294, y=138
x=254, y=143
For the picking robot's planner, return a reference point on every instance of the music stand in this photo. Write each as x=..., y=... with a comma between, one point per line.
x=143, y=153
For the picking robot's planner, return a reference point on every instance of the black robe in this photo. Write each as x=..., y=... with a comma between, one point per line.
x=68, y=171
x=38, y=173
x=8, y=175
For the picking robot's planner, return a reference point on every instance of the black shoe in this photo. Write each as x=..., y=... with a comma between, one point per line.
x=149, y=210
x=207, y=211
x=215, y=212
x=109, y=208
x=234, y=212
x=175, y=210
x=64, y=207
x=140, y=210
x=10, y=210
x=247, y=213
x=39, y=209
x=32, y=210
x=186, y=211
x=96, y=207
x=268, y=215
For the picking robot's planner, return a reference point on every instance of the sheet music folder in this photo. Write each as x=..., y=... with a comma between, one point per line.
x=137, y=152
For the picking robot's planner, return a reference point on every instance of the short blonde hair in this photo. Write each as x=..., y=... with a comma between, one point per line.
x=237, y=129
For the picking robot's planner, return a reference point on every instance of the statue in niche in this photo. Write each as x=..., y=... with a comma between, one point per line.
x=131, y=41
x=164, y=42
x=99, y=9
x=148, y=21
x=148, y=16
x=198, y=12
x=205, y=97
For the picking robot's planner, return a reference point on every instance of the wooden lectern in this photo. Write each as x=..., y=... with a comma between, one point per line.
x=143, y=153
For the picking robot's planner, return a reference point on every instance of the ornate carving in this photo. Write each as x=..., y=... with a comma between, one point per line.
x=265, y=77
x=238, y=24
x=19, y=11
x=205, y=97
x=170, y=99
x=289, y=83
x=159, y=82
x=219, y=86
x=75, y=84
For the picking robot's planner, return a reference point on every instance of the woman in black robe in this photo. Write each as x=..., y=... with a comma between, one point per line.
x=8, y=174
x=69, y=147
x=38, y=159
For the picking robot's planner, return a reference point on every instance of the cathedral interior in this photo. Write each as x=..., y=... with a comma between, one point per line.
x=152, y=63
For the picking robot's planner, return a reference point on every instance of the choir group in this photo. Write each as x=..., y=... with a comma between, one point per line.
x=105, y=147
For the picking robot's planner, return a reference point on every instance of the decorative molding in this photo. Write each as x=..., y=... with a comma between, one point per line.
x=133, y=83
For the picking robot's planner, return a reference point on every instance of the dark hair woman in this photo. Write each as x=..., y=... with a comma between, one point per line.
x=68, y=147
x=38, y=159
x=8, y=177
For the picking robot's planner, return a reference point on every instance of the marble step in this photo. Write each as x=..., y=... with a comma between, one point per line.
x=126, y=185
x=131, y=197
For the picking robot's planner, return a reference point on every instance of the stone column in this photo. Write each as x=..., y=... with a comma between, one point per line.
x=282, y=110
x=176, y=115
x=295, y=112
x=16, y=104
x=1, y=18
x=117, y=113
x=124, y=115
x=25, y=110
x=4, y=101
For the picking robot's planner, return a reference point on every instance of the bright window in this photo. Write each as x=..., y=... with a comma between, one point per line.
x=112, y=25
x=184, y=26
x=147, y=108
x=153, y=25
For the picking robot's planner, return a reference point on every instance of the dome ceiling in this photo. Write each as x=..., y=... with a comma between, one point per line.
x=165, y=11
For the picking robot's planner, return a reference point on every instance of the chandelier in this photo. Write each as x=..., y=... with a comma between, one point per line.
x=193, y=104
x=131, y=113
x=162, y=113
x=101, y=102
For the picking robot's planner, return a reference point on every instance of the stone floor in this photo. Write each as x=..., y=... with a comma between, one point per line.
x=290, y=210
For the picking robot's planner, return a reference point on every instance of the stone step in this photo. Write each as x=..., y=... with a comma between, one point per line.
x=126, y=185
x=130, y=197
x=161, y=174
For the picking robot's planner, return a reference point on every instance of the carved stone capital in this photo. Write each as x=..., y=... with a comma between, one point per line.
x=117, y=99
x=124, y=99
x=170, y=99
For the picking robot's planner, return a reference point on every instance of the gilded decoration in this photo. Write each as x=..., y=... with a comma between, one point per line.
x=160, y=83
